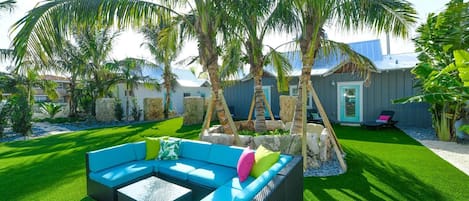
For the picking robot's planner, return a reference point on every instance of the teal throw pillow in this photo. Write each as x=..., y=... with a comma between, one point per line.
x=169, y=150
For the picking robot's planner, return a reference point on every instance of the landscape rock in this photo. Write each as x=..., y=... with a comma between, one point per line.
x=193, y=110
x=105, y=109
x=287, y=107
x=153, y=109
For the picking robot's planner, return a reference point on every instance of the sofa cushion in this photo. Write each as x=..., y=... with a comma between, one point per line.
x=251, y=187
x=152, y=148
x=197, y=150
x=245, y=162
x=225, y=155
x=169, y=150
x=121, y=174
x=236, y=183
x=140, y=150
x=223, y=193
x=179, y=168
x=264, y=159
x=110, y=157
x=212, y=175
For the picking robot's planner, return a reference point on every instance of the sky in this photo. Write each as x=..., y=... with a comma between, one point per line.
x=128, y=43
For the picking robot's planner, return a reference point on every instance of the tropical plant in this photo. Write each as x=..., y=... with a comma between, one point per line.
x=21, y=111
x=51, y=21
x=252, y=20
x=163, y=43
x=7, y=4
x=130, y=70
x=4, y=115
x=118, y=111
x=69, y=59
x=308, y=19
x=442, y=45
x=50, y=108
x=136, y=111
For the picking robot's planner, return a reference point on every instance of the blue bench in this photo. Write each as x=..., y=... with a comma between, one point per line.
x=208, y=169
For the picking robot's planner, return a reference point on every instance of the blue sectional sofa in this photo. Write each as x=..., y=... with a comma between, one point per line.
x=209, y=170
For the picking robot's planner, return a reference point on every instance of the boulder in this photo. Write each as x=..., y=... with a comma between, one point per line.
x=105, y=109
x=153, y=109
x=287, y=107
x=274, y=124
x=193, y=110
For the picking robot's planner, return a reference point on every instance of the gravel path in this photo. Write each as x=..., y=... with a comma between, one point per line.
x=456, y=154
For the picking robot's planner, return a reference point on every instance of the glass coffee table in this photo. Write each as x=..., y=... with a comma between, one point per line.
x=153, y=189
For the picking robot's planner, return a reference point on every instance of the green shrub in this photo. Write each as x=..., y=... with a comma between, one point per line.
x=50, y=109
x=136, y=111
x=21, y=113
x=118, y=111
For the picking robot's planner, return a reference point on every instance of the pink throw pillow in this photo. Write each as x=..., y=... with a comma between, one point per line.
x=245, y=163
x=384, y=117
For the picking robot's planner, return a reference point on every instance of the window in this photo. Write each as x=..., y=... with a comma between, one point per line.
x=186, y=94
x=40, y=98
x=294, y=92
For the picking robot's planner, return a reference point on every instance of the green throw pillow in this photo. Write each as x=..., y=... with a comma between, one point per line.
x=264, y=159
x=169, y=150
x=153, y=148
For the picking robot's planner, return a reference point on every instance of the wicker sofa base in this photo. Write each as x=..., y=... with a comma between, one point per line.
x=287, y=182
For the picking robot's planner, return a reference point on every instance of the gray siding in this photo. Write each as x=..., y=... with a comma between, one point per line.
x=384, y=87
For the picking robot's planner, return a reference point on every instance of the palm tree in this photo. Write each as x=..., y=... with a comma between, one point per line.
x=163, y=42
x=71, y=60
x=51, y=21
x=7, y=5
x=96, y=46
x=394, y=17
x=21, y=86
x=252, y=20
x=131, y=73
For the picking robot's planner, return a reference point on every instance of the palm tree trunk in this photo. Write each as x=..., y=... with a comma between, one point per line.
x=127, y=94
x=260, y=109
x=73, y=101
x=208, y=59
x=167, y=100
x=167, y=84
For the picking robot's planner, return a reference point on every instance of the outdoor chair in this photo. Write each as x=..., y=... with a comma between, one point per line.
x=313, y=116
x=384, y=120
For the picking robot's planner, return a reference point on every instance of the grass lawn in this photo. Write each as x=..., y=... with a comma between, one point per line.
x=383, y=165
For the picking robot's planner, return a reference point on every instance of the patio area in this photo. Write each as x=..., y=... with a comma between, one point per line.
x=384, y=164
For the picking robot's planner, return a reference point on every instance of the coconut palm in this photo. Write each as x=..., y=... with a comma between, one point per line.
x=130, y=71
x=163, y=43
x=70, y=60
x=49, y=22
x=7, y=5
x=252, y=20
x=310, y=17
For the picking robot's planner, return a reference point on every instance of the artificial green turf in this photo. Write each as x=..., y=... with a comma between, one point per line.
x=383, y=165
x=53, y=168
x=388, y=165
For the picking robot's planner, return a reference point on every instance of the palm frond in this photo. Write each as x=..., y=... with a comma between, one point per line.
x=395, y=17
x=282, y=67
x=346, y=55
x=7, y=5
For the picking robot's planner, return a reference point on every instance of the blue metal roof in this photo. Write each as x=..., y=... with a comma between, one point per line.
x=370, y=49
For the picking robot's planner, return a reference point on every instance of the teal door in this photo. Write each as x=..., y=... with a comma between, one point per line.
x=350, y=102
x=266, y=90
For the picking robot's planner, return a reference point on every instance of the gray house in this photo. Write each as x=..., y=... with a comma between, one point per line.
x=344, y=95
